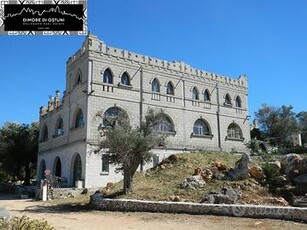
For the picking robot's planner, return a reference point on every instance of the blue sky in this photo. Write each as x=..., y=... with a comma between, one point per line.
x=266, y=40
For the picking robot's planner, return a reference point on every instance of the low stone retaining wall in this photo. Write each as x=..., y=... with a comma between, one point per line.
x=253, y=211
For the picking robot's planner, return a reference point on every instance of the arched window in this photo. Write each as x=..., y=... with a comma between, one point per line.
x=170, y=88
x=238, y=102
x=227, y=99
x=79, y=122
x=164, y=124
x=234, y=132
x=125, y=79
x=78, y=78
x=45, y=135
x=58, y=167
x=59, y=128
x=107, y=76
x=201, y=128
x=195, y=93
x=207, y=95
x=155, y=86
x=111, y=115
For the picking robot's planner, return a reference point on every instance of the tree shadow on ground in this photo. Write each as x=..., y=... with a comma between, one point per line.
x=57, y=208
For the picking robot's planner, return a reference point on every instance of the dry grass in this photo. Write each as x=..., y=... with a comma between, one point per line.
x=164, y=184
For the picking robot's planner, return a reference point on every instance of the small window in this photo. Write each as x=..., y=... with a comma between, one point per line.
x=79, y=119
x=207, y=95
x=227, y=99
x=45, y=134
x=78, y=79
x=201, y=128
x=107, y=76
x=155, y=160
x=195, y=94
x=59, y=128
x=238, y=102
x=170, y=88
x=125, y=80
x=105, y=163
x=155, y=86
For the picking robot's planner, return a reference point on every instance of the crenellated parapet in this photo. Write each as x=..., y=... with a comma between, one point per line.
x=53, y=103
x=93, y=44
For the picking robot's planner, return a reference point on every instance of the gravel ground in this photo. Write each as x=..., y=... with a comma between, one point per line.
x=81, y=218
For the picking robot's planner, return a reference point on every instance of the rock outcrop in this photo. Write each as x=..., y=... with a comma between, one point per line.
x=193, y=182
x=241, y=169
x=226, y=195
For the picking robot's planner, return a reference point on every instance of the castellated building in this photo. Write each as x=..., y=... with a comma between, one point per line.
x=201, y=110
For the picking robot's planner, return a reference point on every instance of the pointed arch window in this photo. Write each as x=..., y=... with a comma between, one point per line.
x=207, y=96
x=79, y=122
x=238, y=102
x=125, y=79
x=195, y=93
x=228, y=100
x=155, y=86
x=78, y=78
x=201, y=128
x=59, y=128
x=170, y=89
x=107, y=76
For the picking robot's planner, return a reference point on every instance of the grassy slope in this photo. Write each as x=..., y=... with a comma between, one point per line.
x=163, y=184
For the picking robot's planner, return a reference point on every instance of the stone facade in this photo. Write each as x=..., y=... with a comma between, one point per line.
x=201, y=110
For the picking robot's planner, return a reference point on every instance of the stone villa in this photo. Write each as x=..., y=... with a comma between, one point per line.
x=202, y=110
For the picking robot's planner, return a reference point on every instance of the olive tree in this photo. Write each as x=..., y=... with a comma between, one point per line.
x=129, y=146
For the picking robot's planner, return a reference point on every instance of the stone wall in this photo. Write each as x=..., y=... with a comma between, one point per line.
x=253, y=211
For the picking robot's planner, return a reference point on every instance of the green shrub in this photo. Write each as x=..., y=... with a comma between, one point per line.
x=297, y=149
x=254, y=146
x=270, y=173
x=24, y=223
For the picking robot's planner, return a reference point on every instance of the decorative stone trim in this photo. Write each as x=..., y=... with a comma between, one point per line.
x=120, y=85
x=210, y=136
x=234, y=139
x=252, y=211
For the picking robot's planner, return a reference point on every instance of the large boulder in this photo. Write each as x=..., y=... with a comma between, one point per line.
x=302, y=168
x=300, y=201
x=241, y=169
x=280, y=181
x=257, y=173
x=290, y=165
x=226, y=195
x=4, y=214
x=300, y=180
x=193, y=182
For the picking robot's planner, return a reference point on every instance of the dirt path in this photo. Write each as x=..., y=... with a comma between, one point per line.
x=80, y=218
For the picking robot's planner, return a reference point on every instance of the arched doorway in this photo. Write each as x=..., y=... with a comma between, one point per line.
x=42, y=169
x=58, y=167
x=77, y=170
